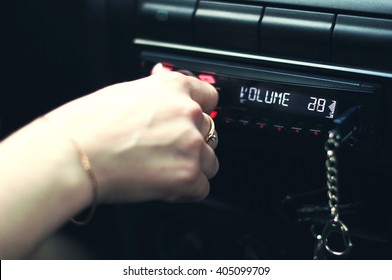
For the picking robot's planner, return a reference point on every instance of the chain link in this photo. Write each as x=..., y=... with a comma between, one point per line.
x=334, y=225
x=331, y=147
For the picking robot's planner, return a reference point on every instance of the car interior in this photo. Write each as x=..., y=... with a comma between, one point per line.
x=304, y=119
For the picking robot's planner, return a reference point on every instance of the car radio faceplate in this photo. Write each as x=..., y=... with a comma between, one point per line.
x=257, y=100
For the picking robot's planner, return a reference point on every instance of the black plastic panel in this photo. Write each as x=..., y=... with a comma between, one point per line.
x=167, y=19
x=296, y=33
x=244, y=105
x=374, y=7
x=229, y=26
x=361, y=41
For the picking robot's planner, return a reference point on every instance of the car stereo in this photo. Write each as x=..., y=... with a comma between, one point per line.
x=258, y=100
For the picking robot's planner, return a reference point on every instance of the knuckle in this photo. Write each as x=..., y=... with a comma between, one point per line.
x=180, y=80
x=215, y=96
x=202, y=191
x=190, y=167
x=194, y=111
x=189, y=174
x=195, y=142
x=189, y=187
x=215, y=168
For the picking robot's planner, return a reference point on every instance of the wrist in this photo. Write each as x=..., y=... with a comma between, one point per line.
x=53, y=188
x=84, y=163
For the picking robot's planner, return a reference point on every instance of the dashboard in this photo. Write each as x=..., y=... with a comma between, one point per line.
x=287, y=72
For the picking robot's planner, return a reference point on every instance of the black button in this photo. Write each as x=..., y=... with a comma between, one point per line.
x=227, y=121
x=231, y=26
x=278, y=128
x=315, y=132
x=168, y=20
x=261, y=126
x=296, y=131
x=296, y=33
x=363, y=42
x=243, y=123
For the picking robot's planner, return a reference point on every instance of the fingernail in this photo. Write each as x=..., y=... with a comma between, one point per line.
x=157, y=67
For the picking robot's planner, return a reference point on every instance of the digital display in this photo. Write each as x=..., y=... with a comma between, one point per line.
x=268, y=97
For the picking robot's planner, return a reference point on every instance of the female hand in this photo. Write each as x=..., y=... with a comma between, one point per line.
x=145, y=139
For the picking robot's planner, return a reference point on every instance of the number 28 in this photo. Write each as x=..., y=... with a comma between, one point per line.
x=317, y=104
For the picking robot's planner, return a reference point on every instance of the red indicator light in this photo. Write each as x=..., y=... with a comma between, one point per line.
x=296, y=130
x=278, y=128
x=213, y=114
x=315, y=132
x=207, y=78
x=261, y=125
x=167, y=67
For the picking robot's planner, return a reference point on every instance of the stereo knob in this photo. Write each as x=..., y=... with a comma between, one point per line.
x=186, y=73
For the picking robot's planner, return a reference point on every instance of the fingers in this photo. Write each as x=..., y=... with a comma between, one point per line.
x=197, y=186
x=208, y=131
x=209, y=162
x=158, y=68
x=200, y=188
x=197, y=191
x=207, y=97
x=201, y=92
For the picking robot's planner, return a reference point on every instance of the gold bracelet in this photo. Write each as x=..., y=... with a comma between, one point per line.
x=85, y=161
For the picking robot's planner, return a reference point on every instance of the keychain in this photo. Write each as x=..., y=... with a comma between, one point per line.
x=335, y=227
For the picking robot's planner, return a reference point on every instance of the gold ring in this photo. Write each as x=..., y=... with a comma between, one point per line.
x=211, y=136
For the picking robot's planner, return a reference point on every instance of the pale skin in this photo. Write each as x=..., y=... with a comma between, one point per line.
x=144, y=139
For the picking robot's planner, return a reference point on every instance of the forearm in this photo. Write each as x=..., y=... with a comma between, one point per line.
x=42, y=185
x=145, y=140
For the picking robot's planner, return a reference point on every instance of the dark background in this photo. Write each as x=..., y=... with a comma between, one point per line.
x=54, y=51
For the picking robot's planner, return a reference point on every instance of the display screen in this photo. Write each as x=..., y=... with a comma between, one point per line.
x=290, y=101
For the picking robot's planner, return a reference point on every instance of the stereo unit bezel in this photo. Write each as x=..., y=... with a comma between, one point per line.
x=250, y=123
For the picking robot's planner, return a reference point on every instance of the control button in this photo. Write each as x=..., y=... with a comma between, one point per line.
x=228, y=121
x=214, y=114
x=186, y=72
x=278, y=128
x=207, y=78
x=296, y=130
x=159, y=18
x=226, y=25
x=167, y=67
x=362, y=41
x=296, y=33
x=261, y=125
x=243, y=123
x=315, y=132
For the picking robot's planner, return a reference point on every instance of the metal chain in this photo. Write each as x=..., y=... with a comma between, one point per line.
x=334, y=225
x=331, y=147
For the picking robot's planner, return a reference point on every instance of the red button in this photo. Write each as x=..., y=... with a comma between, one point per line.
x=214, y=114
x=207, y=78
x=167, y=67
